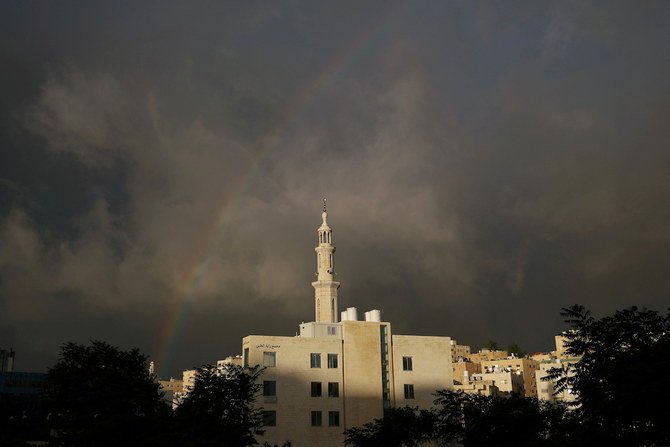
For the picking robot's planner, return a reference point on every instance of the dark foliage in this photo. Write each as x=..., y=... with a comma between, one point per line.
x=400, y=427
x=219, y=410
x=22, y=418
x=621, y=378
x=492, y=345
x=476, y=420
x=516, y=350
x=100, y=395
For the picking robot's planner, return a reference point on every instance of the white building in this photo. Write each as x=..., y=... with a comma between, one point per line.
x=341, y=374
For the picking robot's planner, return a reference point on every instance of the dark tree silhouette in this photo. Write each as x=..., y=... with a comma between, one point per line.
x=516, y=350
x=621, y=379
x=475, y=420
x=400, y=427
x=219, y=409
x=492, y=345
x=100, y=395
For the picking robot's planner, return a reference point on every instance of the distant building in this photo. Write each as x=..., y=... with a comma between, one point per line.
x=487, y=354
x=172, y=389
x=21, y=383
x=546, y=389
x=524, y=367
x=463, y=371
x=336, y=375
x=237, y=360
x=7, y=360
x=479, y=387
x=505, y=380
x=459, y=352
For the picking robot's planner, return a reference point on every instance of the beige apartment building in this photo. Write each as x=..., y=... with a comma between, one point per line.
x=546, y=389
x=459, y=352
x=340, y=372
x=464, y=370
x=487, y=354
x=505, y=380
x=524, y=366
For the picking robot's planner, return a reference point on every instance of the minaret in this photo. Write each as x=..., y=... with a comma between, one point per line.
x=325, y=289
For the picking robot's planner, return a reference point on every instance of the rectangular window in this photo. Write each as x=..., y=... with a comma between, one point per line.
x=269, y=388
x=315, y=360
x=332, y=330
x=246, y=357
x=316, y=389
x=409, y=391
x=269, y=358
x=407, y=363
x=316, y=419
x=333, y=389
x=332, y=360
x=270, y=418
x=333, y=418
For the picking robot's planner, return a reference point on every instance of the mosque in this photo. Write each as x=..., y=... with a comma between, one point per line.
x=335, y=375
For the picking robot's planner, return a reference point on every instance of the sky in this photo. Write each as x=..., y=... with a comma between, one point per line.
x=486, y=163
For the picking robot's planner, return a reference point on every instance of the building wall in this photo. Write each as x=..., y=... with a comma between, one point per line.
x=293, y=375
x=480, y=387
x=459, y=352
x=431, y=368
x=527, y=367
x=459, y=369
x=505, y=381
x=560, y=346
x=363, y=386
x=546, y=389
x=485, y=354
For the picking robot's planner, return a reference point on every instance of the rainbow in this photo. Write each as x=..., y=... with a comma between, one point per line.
x=187, y=284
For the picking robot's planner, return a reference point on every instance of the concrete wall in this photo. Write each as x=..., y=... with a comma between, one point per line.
x=431, y=368
x=363, y=371
x=294, y=375
x=527, y=367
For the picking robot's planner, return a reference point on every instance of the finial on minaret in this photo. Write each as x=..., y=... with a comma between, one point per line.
x=324, y=215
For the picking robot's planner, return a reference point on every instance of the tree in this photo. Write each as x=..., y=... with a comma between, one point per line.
x=492, y=345
x=621, y=378
x=100, y=395
x=400, y=427
x=516, y=350
x=219, y=409
x=476, y=420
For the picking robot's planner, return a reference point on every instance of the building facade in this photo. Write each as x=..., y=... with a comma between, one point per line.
x=524, y=367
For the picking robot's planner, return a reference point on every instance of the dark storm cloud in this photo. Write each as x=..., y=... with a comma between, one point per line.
x=485, y=164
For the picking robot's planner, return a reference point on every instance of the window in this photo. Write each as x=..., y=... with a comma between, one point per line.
x=315, y=360
x=332, y=360
x=316, y=419
x=409, y=391
x=407, y=363
x=246, y=357
x=270, y=418
x=333, y=418
x=332, y=330
x=316, y=389
x=269, y=358
x=333, y=389
x=269, y=388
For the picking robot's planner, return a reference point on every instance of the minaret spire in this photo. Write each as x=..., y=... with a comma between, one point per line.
x=325, y=288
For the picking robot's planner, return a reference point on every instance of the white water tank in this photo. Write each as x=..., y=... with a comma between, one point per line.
x=343, y=316
x=374, y=315
x=352, y=314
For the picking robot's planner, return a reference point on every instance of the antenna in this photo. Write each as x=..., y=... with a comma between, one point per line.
x=324, y=204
